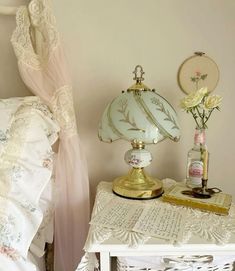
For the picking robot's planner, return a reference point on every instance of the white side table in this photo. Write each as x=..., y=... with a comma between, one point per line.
x=117, y=243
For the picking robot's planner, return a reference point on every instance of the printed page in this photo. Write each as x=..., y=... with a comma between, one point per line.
x=156, y=220
x=119, y=213
x=161, y=221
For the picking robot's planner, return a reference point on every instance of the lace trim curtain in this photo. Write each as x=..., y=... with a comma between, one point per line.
x=43, y=68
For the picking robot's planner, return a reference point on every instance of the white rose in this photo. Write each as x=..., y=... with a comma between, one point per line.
x=212, y=101
x=192, y=100
x=203, y=91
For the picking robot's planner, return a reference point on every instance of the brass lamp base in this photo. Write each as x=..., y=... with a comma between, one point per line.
x=137, y=185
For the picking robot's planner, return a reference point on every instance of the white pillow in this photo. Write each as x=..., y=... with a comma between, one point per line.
x=8, y=108
x=27, y=132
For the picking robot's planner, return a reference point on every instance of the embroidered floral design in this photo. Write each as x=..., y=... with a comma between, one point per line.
x=16, y=173
x=28, y=206
x=7, y=230
x=198, y=77
x=10, y=253
x=47, y=161
x=3, y=137
x=47, y=217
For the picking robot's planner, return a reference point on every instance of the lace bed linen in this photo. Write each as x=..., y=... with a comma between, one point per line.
x=209, y=227
x=27, y=132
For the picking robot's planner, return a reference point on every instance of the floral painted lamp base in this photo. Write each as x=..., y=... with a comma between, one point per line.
x=137, y=184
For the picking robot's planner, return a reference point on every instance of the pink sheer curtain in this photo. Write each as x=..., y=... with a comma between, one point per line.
x=42, y=67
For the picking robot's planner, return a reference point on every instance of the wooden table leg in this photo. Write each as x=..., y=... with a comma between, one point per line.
x=105, y=261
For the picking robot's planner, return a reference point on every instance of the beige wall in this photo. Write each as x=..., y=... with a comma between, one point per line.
x=105, y=39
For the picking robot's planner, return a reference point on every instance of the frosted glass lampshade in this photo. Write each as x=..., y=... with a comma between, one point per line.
x=141, y=116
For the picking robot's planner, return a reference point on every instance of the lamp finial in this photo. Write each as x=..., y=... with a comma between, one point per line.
x=139, y=78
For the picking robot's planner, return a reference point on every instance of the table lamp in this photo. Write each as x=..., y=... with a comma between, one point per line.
x=140, y=116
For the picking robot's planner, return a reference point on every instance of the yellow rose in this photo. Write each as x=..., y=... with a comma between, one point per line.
x=212, y=101
x=192, y=100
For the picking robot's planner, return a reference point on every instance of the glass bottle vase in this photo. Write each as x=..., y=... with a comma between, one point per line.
x=194, y=171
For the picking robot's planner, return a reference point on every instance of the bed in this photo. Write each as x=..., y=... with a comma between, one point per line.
x=27, y=167
x=28, y=132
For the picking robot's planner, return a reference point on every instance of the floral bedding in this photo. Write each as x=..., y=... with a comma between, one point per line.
x=27, y=131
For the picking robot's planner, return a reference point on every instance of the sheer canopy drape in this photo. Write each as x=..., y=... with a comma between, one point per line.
x=42, y=67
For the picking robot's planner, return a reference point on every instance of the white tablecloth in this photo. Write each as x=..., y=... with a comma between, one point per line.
x=209, y=227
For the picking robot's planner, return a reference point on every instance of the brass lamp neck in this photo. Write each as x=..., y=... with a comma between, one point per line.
x=137, y=145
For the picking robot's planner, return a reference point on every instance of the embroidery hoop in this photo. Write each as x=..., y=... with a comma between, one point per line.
x=196, y=72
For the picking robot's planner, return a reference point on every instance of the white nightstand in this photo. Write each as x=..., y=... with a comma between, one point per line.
x=117, y=243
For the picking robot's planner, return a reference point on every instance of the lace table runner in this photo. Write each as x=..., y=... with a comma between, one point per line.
x=210, y=227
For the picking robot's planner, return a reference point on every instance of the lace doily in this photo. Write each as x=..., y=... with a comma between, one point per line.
x=208, y=226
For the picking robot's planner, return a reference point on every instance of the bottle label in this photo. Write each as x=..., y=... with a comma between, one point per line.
x=195, y=172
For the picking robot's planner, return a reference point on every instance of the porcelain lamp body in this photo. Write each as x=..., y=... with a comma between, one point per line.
x=138, y=158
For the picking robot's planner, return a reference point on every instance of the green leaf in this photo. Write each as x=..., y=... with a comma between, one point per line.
x=193, y=79
x=204, y=76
